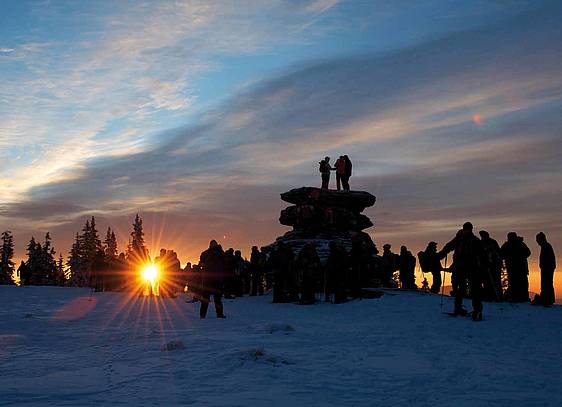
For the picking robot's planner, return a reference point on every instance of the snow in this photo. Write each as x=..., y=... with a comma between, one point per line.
x=60, y=347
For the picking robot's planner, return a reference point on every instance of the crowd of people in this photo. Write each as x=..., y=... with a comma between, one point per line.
x=478, y=262
x=476, y=272
x=481, y=270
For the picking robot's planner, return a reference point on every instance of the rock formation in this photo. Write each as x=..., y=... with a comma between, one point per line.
x=319, y=216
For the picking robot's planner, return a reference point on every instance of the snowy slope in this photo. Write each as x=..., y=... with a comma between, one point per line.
x=59, y=348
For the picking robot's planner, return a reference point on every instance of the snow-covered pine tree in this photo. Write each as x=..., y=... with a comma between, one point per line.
x=6, y=255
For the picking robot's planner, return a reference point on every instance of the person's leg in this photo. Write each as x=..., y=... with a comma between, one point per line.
x=254, y=289
x=219, y=309
x=460, y=292
x=476, y=291
x=436, y=286
x=338, y=181
x=204, y=300
x=260, y=284
x=345, y=182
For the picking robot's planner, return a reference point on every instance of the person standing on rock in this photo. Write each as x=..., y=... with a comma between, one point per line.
x=467, y=260
x=212, y=270
x=325, y=169
x=347, y=174
x=547, y=264
x=340, y=171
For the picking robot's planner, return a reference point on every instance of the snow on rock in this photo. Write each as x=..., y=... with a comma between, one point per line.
x=397, y=350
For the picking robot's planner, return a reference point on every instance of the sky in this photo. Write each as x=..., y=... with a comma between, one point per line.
x=197, y=114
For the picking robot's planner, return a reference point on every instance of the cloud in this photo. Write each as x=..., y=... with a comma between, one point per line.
x=6, y=50
x=405, y=118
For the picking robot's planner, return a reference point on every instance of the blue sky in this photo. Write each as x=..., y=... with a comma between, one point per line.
x=198, y=113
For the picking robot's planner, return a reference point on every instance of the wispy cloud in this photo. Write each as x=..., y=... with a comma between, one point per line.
x=406, y=118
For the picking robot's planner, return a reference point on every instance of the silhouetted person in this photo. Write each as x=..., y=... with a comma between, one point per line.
x=195, y=282
x=389, y=265
x=229, y=277
x=348, y=171
x=431, y=263
x=176, y=273
x=359, y=259
x=212, y=269
x=307, y=264
x=336, y=273
x=163, y=281
x=467, y=260
x=340, y=171
x=515, y=253
x=547, y=264
x=325, y=168
x=491, y=268
x=257, y=266
x=239, y=270
x=407, y=268
x=282, y=264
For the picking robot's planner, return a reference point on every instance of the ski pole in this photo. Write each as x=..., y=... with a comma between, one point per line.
x=443, y=283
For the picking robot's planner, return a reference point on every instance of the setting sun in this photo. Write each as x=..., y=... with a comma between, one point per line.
x=150, y=273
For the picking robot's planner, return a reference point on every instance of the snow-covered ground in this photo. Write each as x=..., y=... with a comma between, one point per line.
x=58, y=347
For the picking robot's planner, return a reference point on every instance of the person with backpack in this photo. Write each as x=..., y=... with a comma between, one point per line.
x=467, y=260
x=325, y=169
x=430, y=263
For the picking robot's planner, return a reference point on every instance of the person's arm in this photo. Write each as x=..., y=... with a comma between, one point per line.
x=449, y=247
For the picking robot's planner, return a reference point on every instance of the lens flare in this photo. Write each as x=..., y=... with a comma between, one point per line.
x=150, y=273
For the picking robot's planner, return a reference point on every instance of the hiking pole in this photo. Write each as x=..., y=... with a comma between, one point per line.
x=443, y=283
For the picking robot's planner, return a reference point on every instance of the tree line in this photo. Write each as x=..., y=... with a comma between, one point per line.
x=42, y=267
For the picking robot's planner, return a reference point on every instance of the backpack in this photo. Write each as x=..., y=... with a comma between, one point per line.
x=322, y=167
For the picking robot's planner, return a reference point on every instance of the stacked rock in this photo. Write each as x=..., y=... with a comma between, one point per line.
x=319, y=216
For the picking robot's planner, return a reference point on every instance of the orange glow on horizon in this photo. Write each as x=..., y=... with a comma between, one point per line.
x=477, y=119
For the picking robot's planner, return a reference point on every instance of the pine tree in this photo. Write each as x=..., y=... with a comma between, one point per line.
x=6, y=255
x=60, y=277
x=33, y=250
x=137, y=251
x=48, y=264
x=110, y=245
x=85, y=250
